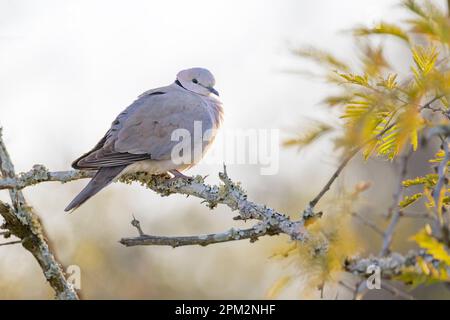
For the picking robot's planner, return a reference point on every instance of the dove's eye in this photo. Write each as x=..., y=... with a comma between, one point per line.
x=194, y=80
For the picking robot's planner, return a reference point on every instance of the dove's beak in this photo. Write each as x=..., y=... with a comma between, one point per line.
x=212, y=90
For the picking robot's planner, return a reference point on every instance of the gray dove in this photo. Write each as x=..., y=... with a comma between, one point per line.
x=140, y=138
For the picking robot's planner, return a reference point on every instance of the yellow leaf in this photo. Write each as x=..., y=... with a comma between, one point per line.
x=383, y=28
x=433, y=247
x=414, y=136
x=423, y=266
x=308, y=137
x=278, y=286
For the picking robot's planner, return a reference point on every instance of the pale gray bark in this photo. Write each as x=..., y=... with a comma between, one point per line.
x=22, y=222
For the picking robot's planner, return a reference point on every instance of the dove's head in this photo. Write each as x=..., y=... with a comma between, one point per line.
x=198, y=80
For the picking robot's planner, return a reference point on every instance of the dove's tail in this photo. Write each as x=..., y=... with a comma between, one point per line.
x=102, y=178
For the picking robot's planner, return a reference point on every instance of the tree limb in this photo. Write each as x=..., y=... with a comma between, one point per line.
x=23, y=223
x=390, y=266
x=394, y=211
x=40, y=174
x=229, y=193
x=233, y=234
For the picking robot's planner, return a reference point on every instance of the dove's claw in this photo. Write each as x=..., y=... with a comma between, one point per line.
x=178, y=175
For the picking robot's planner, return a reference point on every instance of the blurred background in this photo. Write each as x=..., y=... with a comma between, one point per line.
x=67, y=68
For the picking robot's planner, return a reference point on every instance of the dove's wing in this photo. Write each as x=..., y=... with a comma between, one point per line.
x=144, y=130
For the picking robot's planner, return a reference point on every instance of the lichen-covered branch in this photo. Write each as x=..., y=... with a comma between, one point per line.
x=40, y=174
x=233, y=234
x=390, y=266
x=22, y=222
x=228, y=193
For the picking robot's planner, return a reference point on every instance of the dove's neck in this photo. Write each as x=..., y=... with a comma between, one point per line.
x=216, y=110
x=214, y=105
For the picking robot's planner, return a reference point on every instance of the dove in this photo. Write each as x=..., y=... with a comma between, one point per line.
x=141, y=137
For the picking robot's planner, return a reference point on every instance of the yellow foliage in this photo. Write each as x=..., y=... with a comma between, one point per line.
x=322, y=258
x=427, y=272
x=435, y=248
x=278, y=286
x=428, y=181
x=306, y=138
x=383, y=112
x=383, y=29
x=409, y=200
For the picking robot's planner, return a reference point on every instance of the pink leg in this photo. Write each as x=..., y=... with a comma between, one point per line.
x=177, y=174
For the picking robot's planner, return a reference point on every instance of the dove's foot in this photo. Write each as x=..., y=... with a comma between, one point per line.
x=178, y=175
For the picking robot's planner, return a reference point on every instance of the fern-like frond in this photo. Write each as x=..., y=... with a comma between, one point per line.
x=322, y=57
x=383, y=28
x=306, y=138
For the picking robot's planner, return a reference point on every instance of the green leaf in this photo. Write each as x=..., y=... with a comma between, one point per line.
x=409, y=200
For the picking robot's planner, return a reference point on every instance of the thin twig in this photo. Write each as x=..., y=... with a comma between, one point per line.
x=335, y=175
x=442, y=180
x=346, y=286
x=368, y=223
x=360, y=290
x=394, y=211
x=429, y=103
x=11, y=242
x=352, y=153
x=395, y=291
x=415, y=215
x=343, y=164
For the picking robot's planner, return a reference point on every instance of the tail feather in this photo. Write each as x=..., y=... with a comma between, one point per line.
x=102, y=178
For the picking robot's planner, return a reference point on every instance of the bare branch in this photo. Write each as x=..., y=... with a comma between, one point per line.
x=23, y=223
x=368, y=223
x=341, y=167
x=394, y=211
x=416, y=215
x=346, y=286
x=335, y=175
x=233, y=234
x=442, y=180
x=396, y=291
x=390, y=266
